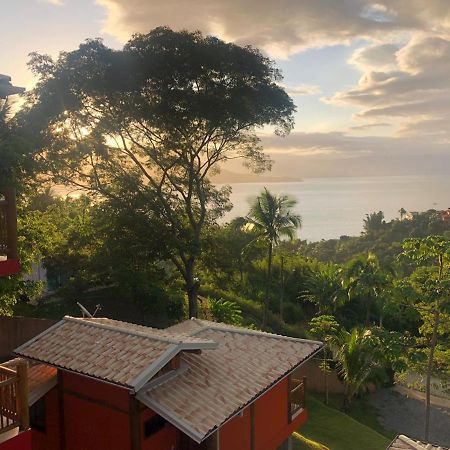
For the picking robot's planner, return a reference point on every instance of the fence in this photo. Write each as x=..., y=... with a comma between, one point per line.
x=14, y=396
x=14, y=331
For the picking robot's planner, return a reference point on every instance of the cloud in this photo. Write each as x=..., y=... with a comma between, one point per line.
x=53, y=2
x=281, y=28
x=375, y=57
x=302, y=89
x=366, y=126
x=413, y=92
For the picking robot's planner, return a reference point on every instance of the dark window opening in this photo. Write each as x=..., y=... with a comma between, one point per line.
x=153, y=425
x=37, y=416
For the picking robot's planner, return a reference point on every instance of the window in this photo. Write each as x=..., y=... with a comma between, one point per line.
x=37, y=416
x=153, y=425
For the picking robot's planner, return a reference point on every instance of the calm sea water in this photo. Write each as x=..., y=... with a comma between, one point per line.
x=332, y=207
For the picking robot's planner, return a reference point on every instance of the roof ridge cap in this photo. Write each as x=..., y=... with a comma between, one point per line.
x=123, y=330
x=248, y=331
x=414, y=444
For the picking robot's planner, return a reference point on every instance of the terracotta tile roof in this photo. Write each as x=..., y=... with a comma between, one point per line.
x=41, y=378
x=215, y=385
x=402, y=442
x=114, y=351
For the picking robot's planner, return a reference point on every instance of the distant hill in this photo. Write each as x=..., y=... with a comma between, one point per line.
x=226, y=176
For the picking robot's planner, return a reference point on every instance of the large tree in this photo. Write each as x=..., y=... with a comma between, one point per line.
x=149, y=123
x=431, y=281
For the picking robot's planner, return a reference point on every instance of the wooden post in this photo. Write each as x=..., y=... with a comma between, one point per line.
x=11, y=222
x=289, y=399
x=304, y=392
x=22, y=395
x=135, y=424
x=61, y=413
x=252, y=426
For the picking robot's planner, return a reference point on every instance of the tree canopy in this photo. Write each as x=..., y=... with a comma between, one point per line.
x=146, y=125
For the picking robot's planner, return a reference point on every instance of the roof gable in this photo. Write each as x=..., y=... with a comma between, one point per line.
x=216, y=385
x=118, y=352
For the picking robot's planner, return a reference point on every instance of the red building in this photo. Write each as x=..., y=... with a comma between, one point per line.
x=100, y=384
x=9, y=259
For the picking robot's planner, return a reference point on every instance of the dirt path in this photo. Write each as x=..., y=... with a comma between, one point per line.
x=405, y=415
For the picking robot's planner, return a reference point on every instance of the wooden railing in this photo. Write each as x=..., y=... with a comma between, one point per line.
x=8, y=224
x=14, y=410
x=297, y=396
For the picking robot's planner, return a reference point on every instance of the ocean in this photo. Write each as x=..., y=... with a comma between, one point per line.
x=332, y=207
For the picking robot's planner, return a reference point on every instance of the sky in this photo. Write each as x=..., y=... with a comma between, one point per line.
x=370, y=79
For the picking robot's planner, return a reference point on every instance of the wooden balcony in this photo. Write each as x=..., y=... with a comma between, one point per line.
x=297, y=396
x=9, y=259
x=14, y=412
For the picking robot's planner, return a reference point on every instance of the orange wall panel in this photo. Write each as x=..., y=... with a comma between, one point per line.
x=235, y=434
x=90, y=426
x=271, y=415
x=97, y=390
x=96, y=414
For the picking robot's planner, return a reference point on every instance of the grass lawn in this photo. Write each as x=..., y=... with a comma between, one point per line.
x=328, y=428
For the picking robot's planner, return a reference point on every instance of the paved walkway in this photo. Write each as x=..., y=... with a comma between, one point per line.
x=405, y=415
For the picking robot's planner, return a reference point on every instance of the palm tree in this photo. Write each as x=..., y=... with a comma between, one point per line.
x=272, y=219
x=323, y=287
x=374, y=222
x=402, y=212
x=365, y=279
x=358, y=360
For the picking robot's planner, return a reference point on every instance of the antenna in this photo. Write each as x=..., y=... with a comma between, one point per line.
x=85, y=311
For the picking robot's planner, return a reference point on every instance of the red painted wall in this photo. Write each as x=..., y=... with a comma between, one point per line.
x=20, y=442
x=9, y=267
x=271, y=422
x=235, y=434
x=165, y=439
x=50, y=439
x=96, y=414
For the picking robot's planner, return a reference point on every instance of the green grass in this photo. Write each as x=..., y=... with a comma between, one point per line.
x=328, y=427
x=363, y=412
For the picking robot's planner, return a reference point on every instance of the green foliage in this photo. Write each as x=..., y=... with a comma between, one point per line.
x=374, y=222
x=324, y=288
x=365, y=280
x=225, y=311
x=271, y=218
x=358, y=360
x=145, y=126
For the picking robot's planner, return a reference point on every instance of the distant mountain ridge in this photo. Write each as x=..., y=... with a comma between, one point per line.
x=226, y=176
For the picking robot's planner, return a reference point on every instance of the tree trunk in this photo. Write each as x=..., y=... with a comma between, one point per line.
x=192, y=288
x=368, y=312
x=269, y=279
x=346, y=404
x=282, y=290
x=429, y=372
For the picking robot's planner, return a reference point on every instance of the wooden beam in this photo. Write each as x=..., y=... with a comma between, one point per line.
x=22, y=395
x=252, y=426
x=135, y=424
x=62, y=424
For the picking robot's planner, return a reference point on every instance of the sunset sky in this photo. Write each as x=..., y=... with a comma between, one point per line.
x=370, y=79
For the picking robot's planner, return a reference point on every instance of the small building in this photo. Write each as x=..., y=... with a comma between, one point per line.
x=402, y=442
x=107, y=385
x=445, y=215
x=9, y=258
